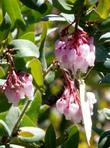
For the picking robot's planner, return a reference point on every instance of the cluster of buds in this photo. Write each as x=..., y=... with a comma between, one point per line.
x=18, y=86
x=75, y=51
x=69, y=103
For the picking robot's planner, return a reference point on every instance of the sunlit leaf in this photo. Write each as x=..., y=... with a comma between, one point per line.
x=5, y=27
x=34, y=109
x=104, y=141
x=24, y=48
x=103, y=8
x=36, y=70
x=42, y=47
x=12, y=117
x=31, y=134
x=28, y=36
x=11, y=7
x=4, y=129
x=12, y=146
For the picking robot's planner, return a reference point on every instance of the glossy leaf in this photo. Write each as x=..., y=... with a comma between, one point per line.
x=34, y=109
x=50, y=138
x=28, y=36
x=5, y=27
x=105, y=79
x=4, y=129
x=36, y=5
x=31, y=134
x=73, y=138
x=27, y=121
x=104, y=141
x=24, y=48
x=4, y=105
x=36, y=70
x=106, y=113
x=12, y=146
x=11, y=7
x=12, y=117
x=103, y=8
x=42, y=47
x=63, y=6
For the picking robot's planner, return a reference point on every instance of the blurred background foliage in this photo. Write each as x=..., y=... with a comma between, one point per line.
x=32, y=27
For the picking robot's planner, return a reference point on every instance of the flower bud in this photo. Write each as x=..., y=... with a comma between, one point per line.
x=76, y=51
x=69, y=103
x=18, y=86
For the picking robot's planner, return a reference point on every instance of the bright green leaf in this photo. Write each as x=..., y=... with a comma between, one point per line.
x=12, y=8
x=5, y=27
x=34, y=109
x=24, y=48
x=103, y=8
x=28, y=36
x=36, y=70
x=42, y=47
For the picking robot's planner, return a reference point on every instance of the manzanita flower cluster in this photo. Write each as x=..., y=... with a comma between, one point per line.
x=18, y=86
x=69, y=103
x=76, y=51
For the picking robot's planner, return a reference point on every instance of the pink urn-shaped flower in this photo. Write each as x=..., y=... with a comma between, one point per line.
x=76, y=51
x=69, y=103
x=18, y=86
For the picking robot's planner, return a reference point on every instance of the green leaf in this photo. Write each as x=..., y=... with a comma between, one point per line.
x=34, y=109
x=63, y=6
x=5, y=27
x=105, y=37
x=104, y=141
x=31, y=134
x=12, y=146
x=49, y=78
x=68, y=6
x=105, y=79
x=36, y=5
x=26, y=121
x=4, y=129
x=11, y=7
x=12, y=117
x=2, y=72
x=4, y=105
x=68, y=17
x=36, y=70
x=52, y=17
x=42, y=45
x=28, y=36
x=24, y=48
x=73, y=138
x=106, y=113
x=103, y=8
x=50, y=138
x=105, y=25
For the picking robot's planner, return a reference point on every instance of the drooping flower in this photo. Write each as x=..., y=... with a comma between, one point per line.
x=76, y=51
x=18, y=86
x=69, y=103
